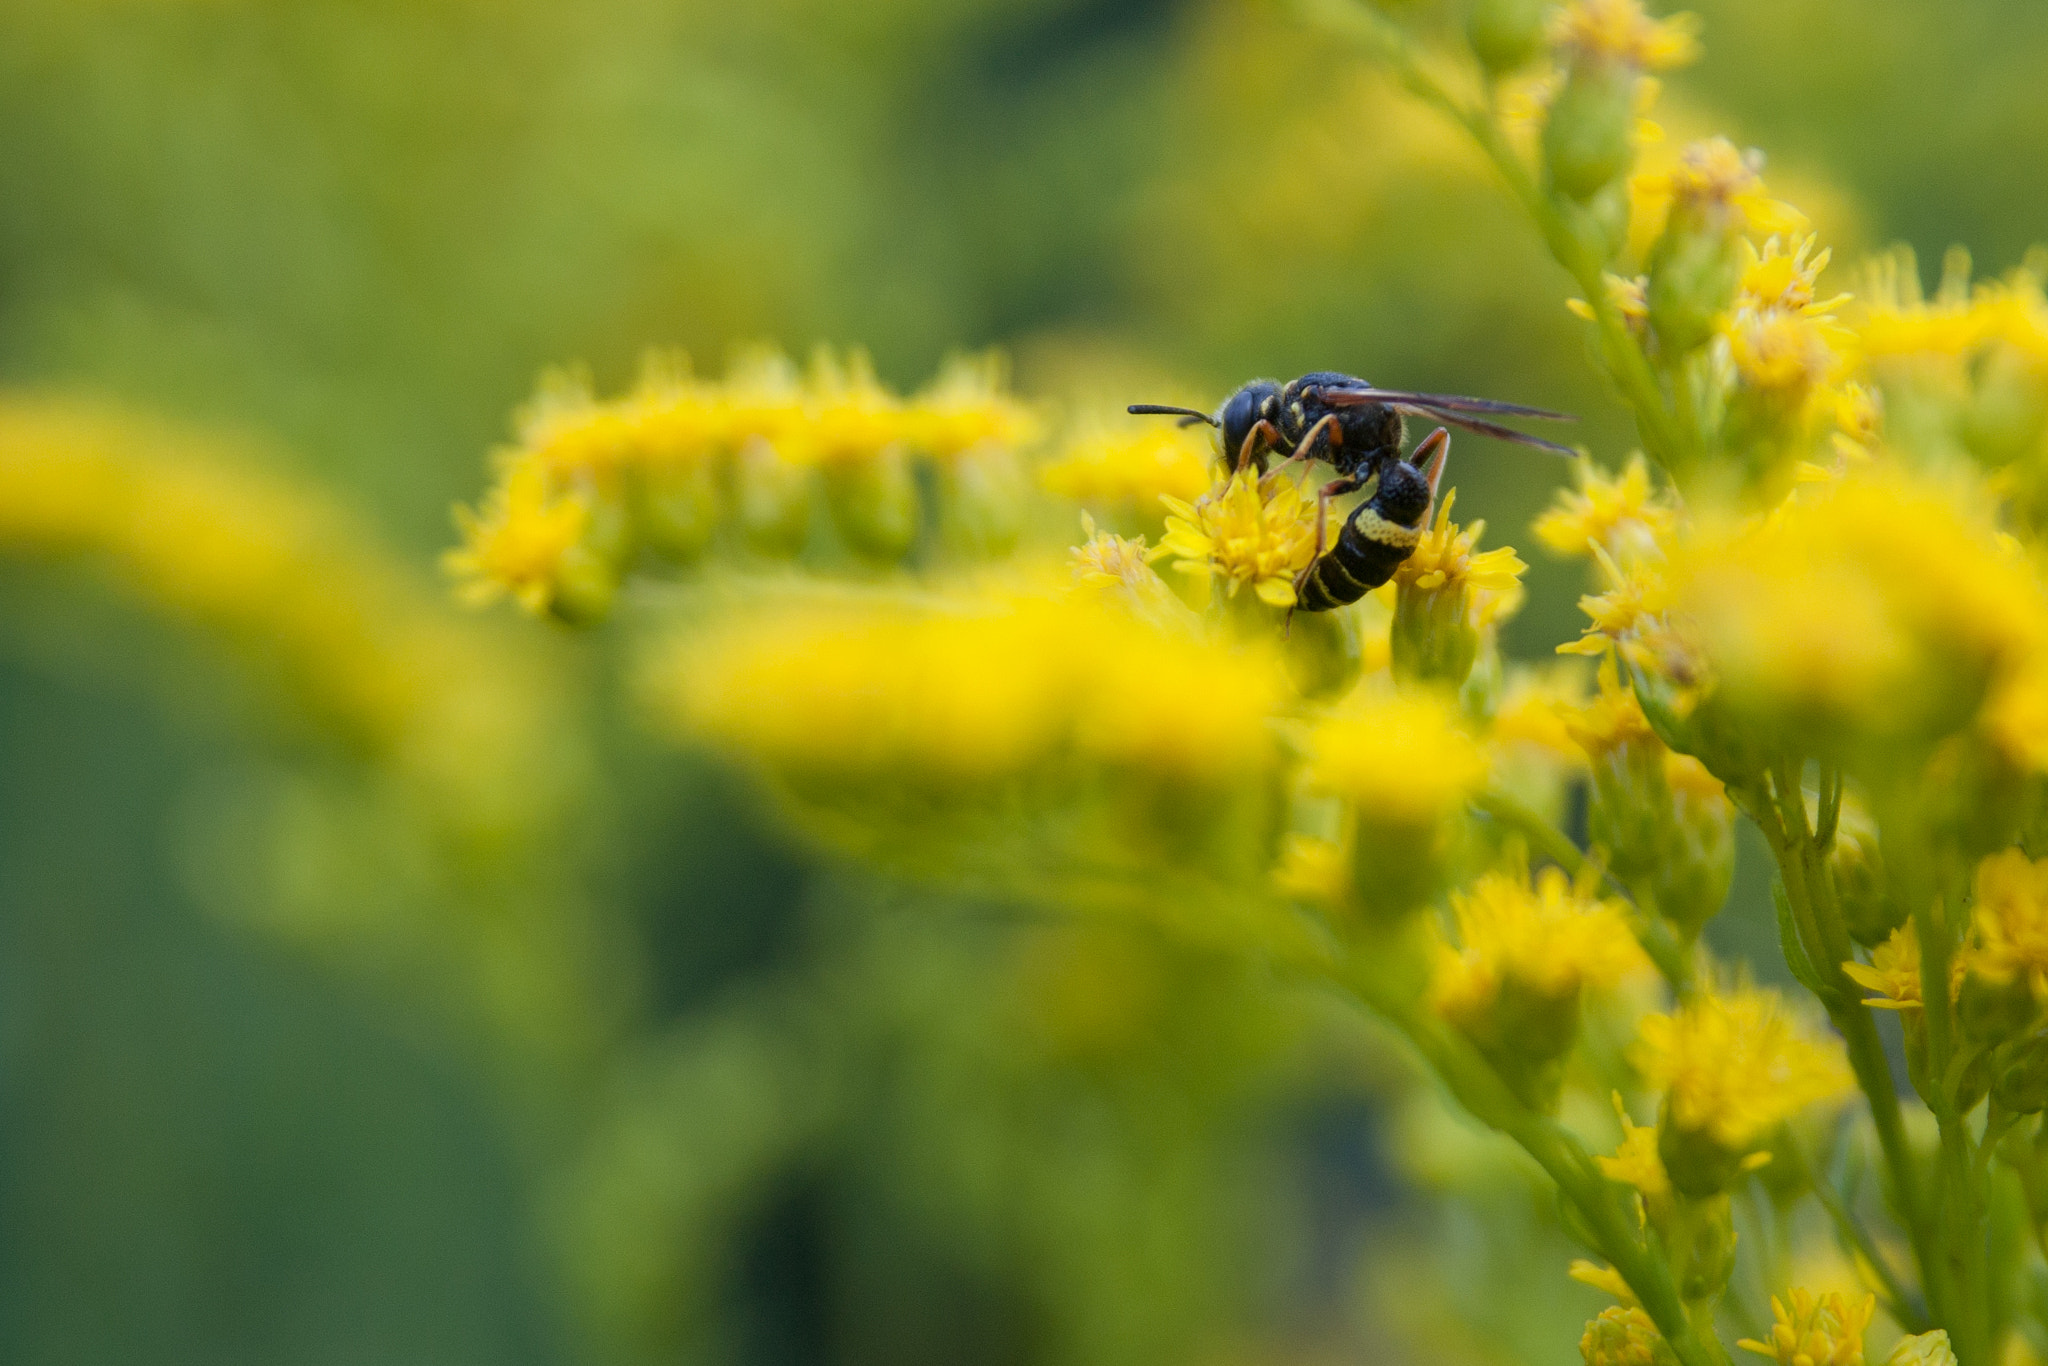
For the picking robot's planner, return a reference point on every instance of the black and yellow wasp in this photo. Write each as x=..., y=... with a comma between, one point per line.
x=1358, y=431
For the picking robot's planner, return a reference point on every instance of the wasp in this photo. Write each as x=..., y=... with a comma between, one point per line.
x=1358, y=431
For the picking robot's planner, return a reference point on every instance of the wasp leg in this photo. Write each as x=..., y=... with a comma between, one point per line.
x=1336, y=488
x=1249, y=454
x=1327, y=428
x=1436, y=448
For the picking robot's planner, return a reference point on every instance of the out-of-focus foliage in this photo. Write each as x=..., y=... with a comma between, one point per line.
x=368, y=990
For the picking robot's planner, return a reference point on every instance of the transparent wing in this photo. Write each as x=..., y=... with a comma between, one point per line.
x=1435, y=403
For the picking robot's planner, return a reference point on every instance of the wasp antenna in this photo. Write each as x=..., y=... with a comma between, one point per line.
x=1168, y=410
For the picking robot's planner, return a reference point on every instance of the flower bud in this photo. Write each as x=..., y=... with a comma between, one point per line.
x=2008, y=414
x=981, y=501
x=1623, y=1335
x=771, y=500
x=1699, y=1164
x=678, y=508
x=1506, y=34
x=1857, y=866
x=1324, y=653
x=1586, y=142
x=1923, y=1349
x=2021, y=1084
x=875, y=504
x=1992, y=1009
x=1694, y=270
x=1434, y=640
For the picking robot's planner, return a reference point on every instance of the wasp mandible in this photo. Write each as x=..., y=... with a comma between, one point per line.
x=1358, y=431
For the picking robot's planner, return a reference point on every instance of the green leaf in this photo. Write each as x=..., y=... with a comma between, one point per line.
x=1795, y=952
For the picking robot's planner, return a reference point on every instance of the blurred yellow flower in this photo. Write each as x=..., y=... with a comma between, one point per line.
x=1636, y=1162
x=1774, y=278
x=1893, y=972
x=1133, y=468
x=1540, y=940
x=1246, y=530
x=1735, y=1063
x=968, y=405
x=1814, y=615
x=1714, y=180
x=1106, y=560
x=1824, y=1330
x=1611, y=718
x=517, y=543
x=1620, y=513
x=1619, y=31
x=2009, y=919
x=1786, y=355
x=1400, y=758
x=967, y=690
x=1637, y=597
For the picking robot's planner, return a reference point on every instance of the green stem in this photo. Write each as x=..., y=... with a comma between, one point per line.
x=1479, y=1089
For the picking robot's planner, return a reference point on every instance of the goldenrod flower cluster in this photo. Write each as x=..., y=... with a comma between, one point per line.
x=1817, y=1330
x=1732, y=1065
x=679, y=465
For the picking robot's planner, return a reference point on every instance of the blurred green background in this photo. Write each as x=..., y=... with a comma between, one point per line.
x=298, y=1066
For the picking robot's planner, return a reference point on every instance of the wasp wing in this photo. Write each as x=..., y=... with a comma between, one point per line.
x=1436, y=403
x=1492, y=429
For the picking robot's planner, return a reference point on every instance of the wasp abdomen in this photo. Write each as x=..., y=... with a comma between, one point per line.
x=1379, y=534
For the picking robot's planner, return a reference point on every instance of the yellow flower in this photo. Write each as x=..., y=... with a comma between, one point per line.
x=1623, y=1335
x=1620, y=513
x=1813, y=614
x=2009, y=923
x=1898, y=320
x=1107, y=560
x=1619, y=31
x=1783, y=354
x=516, y=544
x=1773, y=278
x=1614, y=717
x=1536, y=710
x=1825, y=1330
x=1543, y=941
x=1715, y=180
x=850, y=417
x=565, y=433
x=969, y=690
x=1604, y=1278
x=1636, y=1162
x=1893, y=972
x=1630, y=297
x=1400, y=758
x=1133, y=468
x=1445, y=559
x=967, y=406
x=1636, y=599
x=1736, y=1063
x=1311, y=870
x=1246, y=530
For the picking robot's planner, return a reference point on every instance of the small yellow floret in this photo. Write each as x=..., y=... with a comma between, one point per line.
x=1619, y=31
x=1636, y=1162
x=1624, y=1335
x=516, y=544
x=1824, y=1330
x=1620, y=513
x=1133, y=469
x=1546, y=938
x=1401, y=759
x=1246, y=530
x=1893, y=972
x=1737, y=1063
x=2009, y=922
